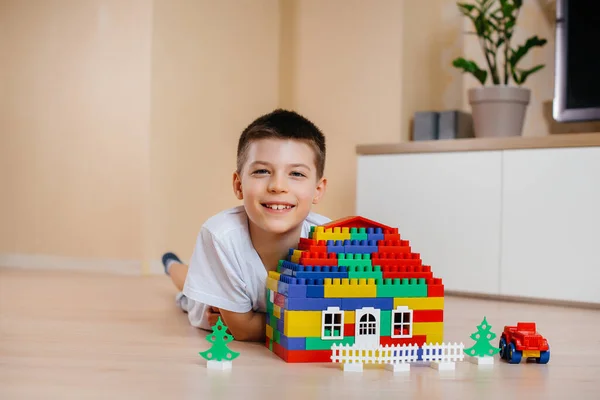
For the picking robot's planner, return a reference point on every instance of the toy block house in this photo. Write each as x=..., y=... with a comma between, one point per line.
x=353, y=281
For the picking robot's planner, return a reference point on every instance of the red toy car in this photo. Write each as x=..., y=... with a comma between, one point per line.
x=523, y=341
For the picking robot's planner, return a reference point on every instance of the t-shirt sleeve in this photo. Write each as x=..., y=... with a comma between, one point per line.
x=214, y=275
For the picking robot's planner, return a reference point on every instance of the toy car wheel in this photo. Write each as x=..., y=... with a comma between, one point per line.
x=544, y=357
x=514, y=356
x=502, y=346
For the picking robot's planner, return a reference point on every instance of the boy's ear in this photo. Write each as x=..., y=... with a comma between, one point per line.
x=237, y=186
x=320, y=190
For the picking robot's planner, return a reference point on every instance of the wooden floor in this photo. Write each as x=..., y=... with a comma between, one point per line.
x=82, y=336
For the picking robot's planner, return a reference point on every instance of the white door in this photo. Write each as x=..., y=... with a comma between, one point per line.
x=366, y=331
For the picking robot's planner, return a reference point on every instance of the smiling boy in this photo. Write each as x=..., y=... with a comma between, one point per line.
x=279, y=177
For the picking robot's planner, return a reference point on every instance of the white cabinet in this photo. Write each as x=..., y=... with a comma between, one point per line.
x=446, y=204
x=510, y=222
x=551, y=224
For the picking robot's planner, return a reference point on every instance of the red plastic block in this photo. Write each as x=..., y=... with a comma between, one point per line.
x=396, y=259
x=393, y=246
x=391, y=236
x=312, y=245
x=388, y=340
x=300, y=356
x=406, y=271
x=391, y=231
x=319, y=258
x=428, y=315
x=349, y=329
x=435, y=288
x=279, y=300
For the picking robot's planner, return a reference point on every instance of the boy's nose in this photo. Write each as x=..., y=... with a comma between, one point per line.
x=277, y=184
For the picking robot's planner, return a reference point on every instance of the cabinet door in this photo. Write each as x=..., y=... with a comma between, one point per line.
x=551, y=224
x=446, y=204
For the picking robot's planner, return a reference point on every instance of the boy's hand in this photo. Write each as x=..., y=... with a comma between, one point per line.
x=212, y=315
x=246, y=327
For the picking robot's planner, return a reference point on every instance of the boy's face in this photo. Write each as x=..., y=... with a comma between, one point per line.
x=278, y=184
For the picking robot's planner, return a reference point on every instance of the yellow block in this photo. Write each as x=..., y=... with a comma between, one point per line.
x=337, y=233
x=302, y=323
x=277, y=311
x=434, y=338
x=296, y=256
x=349, y=317
x=428, y=328
x=361, y=287
x=420, y=303
x=269, y=332
x=272, y=284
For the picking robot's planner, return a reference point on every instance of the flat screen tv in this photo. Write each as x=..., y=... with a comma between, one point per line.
x=577, y=61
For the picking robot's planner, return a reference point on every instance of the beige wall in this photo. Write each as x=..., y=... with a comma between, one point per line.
x=107, y=107
x=214, y=69
x=74, y=119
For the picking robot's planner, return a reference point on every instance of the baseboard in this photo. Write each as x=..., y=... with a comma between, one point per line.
x=524, y=299
x=52, y=262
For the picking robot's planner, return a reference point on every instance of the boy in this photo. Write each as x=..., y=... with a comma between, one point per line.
x=279, y=176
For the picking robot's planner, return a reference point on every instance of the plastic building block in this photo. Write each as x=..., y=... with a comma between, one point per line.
x=482, y=352
x=219, y=356
x=353, y=282
x=523, y=342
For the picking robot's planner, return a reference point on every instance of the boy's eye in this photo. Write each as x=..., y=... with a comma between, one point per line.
x=261, y=171
x=299, y=174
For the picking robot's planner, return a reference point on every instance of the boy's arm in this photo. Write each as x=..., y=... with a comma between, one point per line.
x=247, y=327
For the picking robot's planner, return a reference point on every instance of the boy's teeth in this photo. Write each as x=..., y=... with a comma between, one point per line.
x=277, y=206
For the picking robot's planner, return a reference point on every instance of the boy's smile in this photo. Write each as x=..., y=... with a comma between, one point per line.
x=278, y=184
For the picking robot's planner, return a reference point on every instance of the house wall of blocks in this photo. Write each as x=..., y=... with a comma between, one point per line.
x=353, y=281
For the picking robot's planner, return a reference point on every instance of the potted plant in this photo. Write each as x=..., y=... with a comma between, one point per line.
x=498, y=109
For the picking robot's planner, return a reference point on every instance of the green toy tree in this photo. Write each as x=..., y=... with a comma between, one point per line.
x=219, y=350
x=482, y=337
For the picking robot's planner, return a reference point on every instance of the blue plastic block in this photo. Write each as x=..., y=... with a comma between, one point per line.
x=311, y=304
x=321, y=272
x=316, y=290
x=291, y=287
x=361, y=246
x=375, y=236
x=335, y=246
x=374, y=231
x=292, y=343
x=349, y=303
x=268, y=322
x=280, y=325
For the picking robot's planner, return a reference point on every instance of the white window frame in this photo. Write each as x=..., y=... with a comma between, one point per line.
x=333, y=311
x=402, y=310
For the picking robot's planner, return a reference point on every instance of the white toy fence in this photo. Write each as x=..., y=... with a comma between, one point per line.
x=396, y=355
x=445, y=352
x=374, y=355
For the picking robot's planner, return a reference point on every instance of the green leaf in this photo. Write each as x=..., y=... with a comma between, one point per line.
x=471, y=67
x=466, y=7
x=520, y=75
x=516, y=55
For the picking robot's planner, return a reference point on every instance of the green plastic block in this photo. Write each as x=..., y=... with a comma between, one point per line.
x=351, y=260
x=364, y=271
x=316, y=343
x=385, y=323
x=277, y=336
x=273, y=322
x=270, y=345
x=358, y=234
x=396, y=287
x=269, y=303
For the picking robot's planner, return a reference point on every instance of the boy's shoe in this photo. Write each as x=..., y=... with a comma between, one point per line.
x=168, y=259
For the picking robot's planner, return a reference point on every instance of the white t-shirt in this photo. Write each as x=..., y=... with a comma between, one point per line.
x=225, y=270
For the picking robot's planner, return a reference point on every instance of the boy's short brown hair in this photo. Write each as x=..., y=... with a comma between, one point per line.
x=283, y=124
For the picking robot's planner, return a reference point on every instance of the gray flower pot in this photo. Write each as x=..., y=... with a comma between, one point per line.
x=498, y=111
